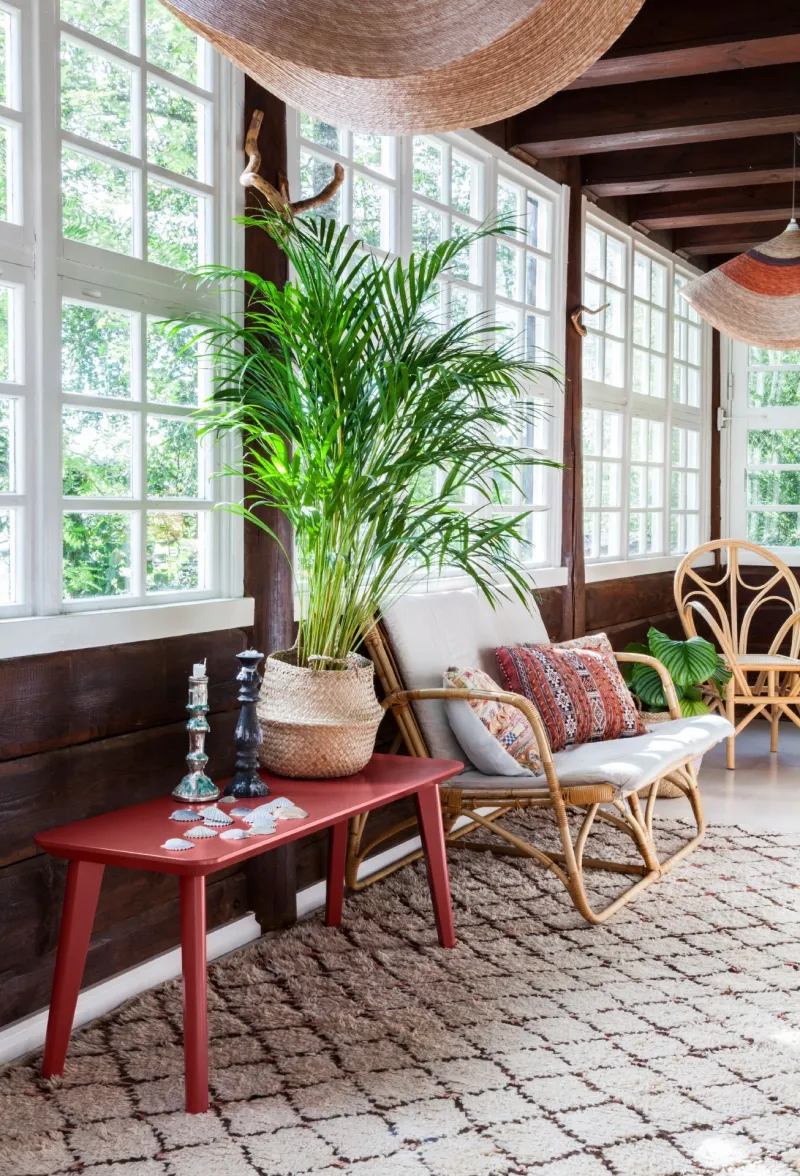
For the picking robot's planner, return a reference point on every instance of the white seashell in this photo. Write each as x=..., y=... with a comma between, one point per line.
x=215, y=816
x=241, y=810
x=262, y=829
x=183, y=815
x=259, y=814
x=280, y=802
x=201, y=831
x=291, y=813
x=227, y=800
x=233, y=834
x=177, y=843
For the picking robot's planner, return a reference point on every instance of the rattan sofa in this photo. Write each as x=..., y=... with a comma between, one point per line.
x=423, y=635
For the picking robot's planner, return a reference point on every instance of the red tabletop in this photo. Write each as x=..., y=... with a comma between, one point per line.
x=133, y=836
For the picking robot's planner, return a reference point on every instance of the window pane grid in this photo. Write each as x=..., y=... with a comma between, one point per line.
x=11, y=129
x=14, y=488
x=602, y=433
x=649, y=326
x=440, y=187
x=367, y=200
x=661, y=511
x=687, y=350
x=772, y=470
x=137, y=165
x=605, y=282
x=135, y=477
x=524, y=267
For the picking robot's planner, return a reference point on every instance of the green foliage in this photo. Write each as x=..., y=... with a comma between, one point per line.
x=690, y=664
x=97, y=554
x=347, y=397
x=6, y=444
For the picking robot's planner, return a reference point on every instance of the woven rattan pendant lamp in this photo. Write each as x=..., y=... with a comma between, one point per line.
x=403, y=66
x=755, y=297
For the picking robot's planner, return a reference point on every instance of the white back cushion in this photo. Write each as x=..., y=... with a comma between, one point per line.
x=431, y=632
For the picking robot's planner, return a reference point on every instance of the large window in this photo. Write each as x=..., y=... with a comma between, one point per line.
x=764, y=452
x=645, y=366
x=113, y=184
x=409, y=194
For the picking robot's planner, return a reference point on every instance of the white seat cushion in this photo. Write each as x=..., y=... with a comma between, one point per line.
x=626, y=764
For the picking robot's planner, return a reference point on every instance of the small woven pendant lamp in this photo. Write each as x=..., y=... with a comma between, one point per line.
x=397, y=67
x=755, y=297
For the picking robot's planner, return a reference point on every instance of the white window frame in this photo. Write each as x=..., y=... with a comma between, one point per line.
x=629, y=404
x=496, y=162
x=35, y=256
x=738, y=418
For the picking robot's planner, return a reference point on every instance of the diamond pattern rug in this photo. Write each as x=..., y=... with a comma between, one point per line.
x=663, y=1044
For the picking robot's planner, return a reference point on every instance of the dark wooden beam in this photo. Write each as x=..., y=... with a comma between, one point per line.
x=647, y=114
x=572, y=555
x=271, y=885
x=685, y=63
x=729, y=206
x=678, y=38
x=724, y=163
x=719, y=239
x=678, y=24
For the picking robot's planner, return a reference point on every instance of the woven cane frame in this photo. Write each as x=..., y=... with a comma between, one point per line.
x=569, y=863
x=775, y=691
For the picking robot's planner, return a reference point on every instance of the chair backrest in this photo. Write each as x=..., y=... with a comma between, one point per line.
x=730, y=595
x=430, y=632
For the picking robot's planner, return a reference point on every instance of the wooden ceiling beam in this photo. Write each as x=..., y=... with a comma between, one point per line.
x=662, y=25
x=712, y=206
x=718, y=239
x=673, y=111
x=683, y=63
x=724, y=163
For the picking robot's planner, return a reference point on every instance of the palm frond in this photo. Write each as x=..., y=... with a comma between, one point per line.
x=352, y=404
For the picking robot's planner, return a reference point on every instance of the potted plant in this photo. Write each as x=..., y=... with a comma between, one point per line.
x=692, y=664
x=369, y=426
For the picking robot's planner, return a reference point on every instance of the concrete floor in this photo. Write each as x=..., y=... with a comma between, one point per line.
x=763, y=793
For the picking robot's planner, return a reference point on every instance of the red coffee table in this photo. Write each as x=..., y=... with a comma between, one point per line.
x=133, y=836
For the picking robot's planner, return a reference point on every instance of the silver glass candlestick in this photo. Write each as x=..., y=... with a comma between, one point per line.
x=195, y=785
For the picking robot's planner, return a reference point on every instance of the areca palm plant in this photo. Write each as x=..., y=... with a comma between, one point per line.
x=379, y=436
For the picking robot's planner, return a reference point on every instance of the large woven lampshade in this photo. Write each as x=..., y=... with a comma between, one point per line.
x=755, y=297
x=402, y=66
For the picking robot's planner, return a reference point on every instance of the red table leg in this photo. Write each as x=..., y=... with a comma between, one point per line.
x=195, y=996
x=429, y=815
x=337, y=854
x=77, y=917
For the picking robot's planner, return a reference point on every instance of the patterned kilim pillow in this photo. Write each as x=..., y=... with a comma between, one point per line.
x=596, y=641
x=503, y=722
x=580, y=693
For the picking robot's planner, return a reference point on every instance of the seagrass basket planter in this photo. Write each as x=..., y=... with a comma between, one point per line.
x=320, y=721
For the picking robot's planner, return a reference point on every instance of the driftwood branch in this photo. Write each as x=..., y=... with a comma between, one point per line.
x=576, y=318
x=278, y=198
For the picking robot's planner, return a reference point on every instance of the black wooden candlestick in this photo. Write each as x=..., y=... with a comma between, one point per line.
x=247, y=781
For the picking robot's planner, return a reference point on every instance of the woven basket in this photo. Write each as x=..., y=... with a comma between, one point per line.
x=318, y=722
x=666, y=790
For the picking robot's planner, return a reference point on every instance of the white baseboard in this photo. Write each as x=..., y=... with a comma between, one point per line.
x=28, y=1034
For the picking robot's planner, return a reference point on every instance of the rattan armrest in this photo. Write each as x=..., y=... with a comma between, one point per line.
x=399, y=698
x=664, y=675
